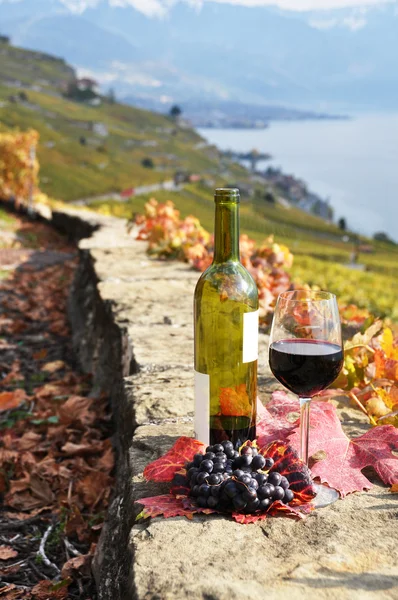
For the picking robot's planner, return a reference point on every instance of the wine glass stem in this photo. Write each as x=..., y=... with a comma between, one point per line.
x=304, y=428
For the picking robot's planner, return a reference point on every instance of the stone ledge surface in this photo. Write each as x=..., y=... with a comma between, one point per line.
x=348, y=550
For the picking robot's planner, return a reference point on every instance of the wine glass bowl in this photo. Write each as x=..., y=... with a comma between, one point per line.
x=306, y=352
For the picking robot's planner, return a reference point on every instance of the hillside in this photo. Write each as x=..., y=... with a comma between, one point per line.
x=89, y=150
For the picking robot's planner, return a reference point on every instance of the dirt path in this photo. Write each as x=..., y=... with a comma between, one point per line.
x=55, y=452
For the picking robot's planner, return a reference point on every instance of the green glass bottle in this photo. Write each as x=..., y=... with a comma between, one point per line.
x=226, y=336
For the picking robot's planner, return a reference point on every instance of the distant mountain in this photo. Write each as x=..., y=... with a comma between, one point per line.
x=336, y=61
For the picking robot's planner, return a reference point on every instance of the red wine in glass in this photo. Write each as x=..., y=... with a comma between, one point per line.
x=305, y=366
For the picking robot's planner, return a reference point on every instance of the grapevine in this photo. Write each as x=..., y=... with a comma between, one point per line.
x=370, y=374
x=19, y=168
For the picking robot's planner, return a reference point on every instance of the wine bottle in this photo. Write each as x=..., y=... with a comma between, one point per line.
x=226, y=336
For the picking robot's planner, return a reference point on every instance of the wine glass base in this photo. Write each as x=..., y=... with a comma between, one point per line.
x=324, y=496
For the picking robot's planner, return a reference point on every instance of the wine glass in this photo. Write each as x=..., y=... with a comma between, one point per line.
x=306, y=351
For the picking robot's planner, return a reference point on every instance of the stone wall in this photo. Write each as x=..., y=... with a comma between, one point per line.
x=132, y=322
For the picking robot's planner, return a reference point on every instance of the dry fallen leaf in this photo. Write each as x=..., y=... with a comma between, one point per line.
x=41, y=354
x=10, y=400
x=394, y=488
x=6, y=552
x=44, y=590
x=54, y=366
x=79, y=565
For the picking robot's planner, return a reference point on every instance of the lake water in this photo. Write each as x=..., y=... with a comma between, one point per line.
x=352, y=162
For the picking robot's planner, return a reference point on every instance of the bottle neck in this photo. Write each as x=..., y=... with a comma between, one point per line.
x=226, y=232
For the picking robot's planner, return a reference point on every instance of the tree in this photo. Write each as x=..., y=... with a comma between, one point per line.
x=342, y=224
x=175, y=112
x=147, y=163
x=381, y=236
x=111, y=96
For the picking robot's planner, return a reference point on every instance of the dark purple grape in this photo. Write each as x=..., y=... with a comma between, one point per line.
x=218, y=448
x=254, y=484
x=195, y=490
x=212, y=502
x=218, y=468
x=197, y=459
x=204, y=490
x=209, y=449
x=271, y=488
x=192, y=480
x=245, y=460
x=284, y=483
x=221, y=455
x=249, y=494
x=246, y=450
x=278, y=493
x=206, y=465
x=238, y=473
x=201, y=477
x=265, y=503
x=262, y=478
x=209, y=456
x=227, y=444
x=239, y=502
x=245, y=478
x=214, y=479
x=269, y=463
x=265, y=491
x=202, y=501
x=253, y=505
x=288, y=497
x=236, y=454
x=258, y=462
x=215, y=490
x=274, y=478
x=230, y=489
x=192, y=471
x=189, y=466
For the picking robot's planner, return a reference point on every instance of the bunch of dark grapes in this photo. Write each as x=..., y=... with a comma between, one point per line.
x=224, y=479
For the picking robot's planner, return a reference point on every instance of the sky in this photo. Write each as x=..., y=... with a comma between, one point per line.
x=160, y=7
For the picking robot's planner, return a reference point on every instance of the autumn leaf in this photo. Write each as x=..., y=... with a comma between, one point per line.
x=52, y=367
x=41, y=354
x=247, y=519
x=77, y=566
x=46, y=590
x=234, y=402
x=166, y=505
x=344, y=459
x=394, y=488
x=164, y=468
x=342, y=466
x=6, y=552
x=278, y=419
x=387, y=343
x=11, y=400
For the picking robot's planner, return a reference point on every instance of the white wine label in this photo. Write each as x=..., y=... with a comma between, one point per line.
x=202, y=407
x=250, y=336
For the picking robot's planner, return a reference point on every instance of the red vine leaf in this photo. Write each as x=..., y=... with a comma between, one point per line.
x=169, y=506
x=164, y=468
x=247, y=519
x=278, y=419
x=344, y=459
x=287, y=463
